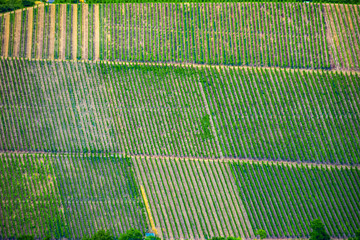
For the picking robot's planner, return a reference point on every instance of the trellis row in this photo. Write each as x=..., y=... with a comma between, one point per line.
x=312, y=36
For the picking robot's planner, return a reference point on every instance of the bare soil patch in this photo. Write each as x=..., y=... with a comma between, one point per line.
x=30, y=21
x=52, y=32
x=17, y=36
x=40, y=32
x=6, y=36
x=74, y=32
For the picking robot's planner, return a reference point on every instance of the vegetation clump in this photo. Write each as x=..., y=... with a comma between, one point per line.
x=261, y=233
x=319, y=232
x=11, y=5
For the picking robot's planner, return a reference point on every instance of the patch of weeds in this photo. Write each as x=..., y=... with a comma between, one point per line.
x=205, y=132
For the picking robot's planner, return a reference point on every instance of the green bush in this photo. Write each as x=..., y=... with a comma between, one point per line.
x=261, y=233
x=357, y=235
x=100, y=235
x=131, y=234
x=11, y=5
x=318, y=232
x=26, y=237
x=233, y=238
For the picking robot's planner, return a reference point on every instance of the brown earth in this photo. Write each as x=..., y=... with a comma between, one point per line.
x=52, y=32
x=74, y=31
x=30, y=20
x=85, y=29
x=17, y=35
x=40, y=32
x=62, y=25
x=96, y=32
x=6, y=36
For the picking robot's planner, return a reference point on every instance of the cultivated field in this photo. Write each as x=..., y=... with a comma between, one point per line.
x=68, y=195
x=57, y=106
x=291, y=35
x=189, y=120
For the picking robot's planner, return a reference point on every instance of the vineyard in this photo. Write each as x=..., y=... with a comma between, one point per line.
x=316, y=36
x=188, y=120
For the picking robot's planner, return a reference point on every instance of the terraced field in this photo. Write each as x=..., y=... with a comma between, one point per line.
x=315, y=36
x=189, y=120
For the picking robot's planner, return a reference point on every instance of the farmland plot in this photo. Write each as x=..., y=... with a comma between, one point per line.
x=68, y=195
x=29, y=196
x=98, y=192
x=303, y=36
x=343, y=35
x=192, y=199
x=221, y=33
x=285, y=115
x=283, y=199
x=60, y=107
x=47, y=108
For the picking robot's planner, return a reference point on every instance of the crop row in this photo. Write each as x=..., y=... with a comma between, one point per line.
x=283, y=199
x=68, y=195
x=292, y=35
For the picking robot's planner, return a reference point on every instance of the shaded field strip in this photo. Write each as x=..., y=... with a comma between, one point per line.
x=141, y=156
x=189, y=65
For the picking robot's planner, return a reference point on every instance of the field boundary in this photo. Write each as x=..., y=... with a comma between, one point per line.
x=204, y=159
x=189, y=65
x=148, y=209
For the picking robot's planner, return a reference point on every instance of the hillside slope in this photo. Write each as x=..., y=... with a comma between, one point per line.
x=294, y=35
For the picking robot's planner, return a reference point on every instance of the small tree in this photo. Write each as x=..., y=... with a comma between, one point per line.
x=261, y=233
x=131, y=234
x=318, y=232
x=102, y=235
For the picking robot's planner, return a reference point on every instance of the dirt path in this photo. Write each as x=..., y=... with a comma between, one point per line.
x=6, y=35
x=40, y=32
x=96, y=32
x=62, y=23
x=74, y=32
x=30, y=32
x=17, y=35
x=52, y=32
x=85, y=13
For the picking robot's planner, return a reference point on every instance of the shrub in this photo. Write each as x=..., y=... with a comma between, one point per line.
x=100, y=235
x=131, y=234
x=261, y=233
x=357, y=235
x=318, y=232
x=26, y=237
